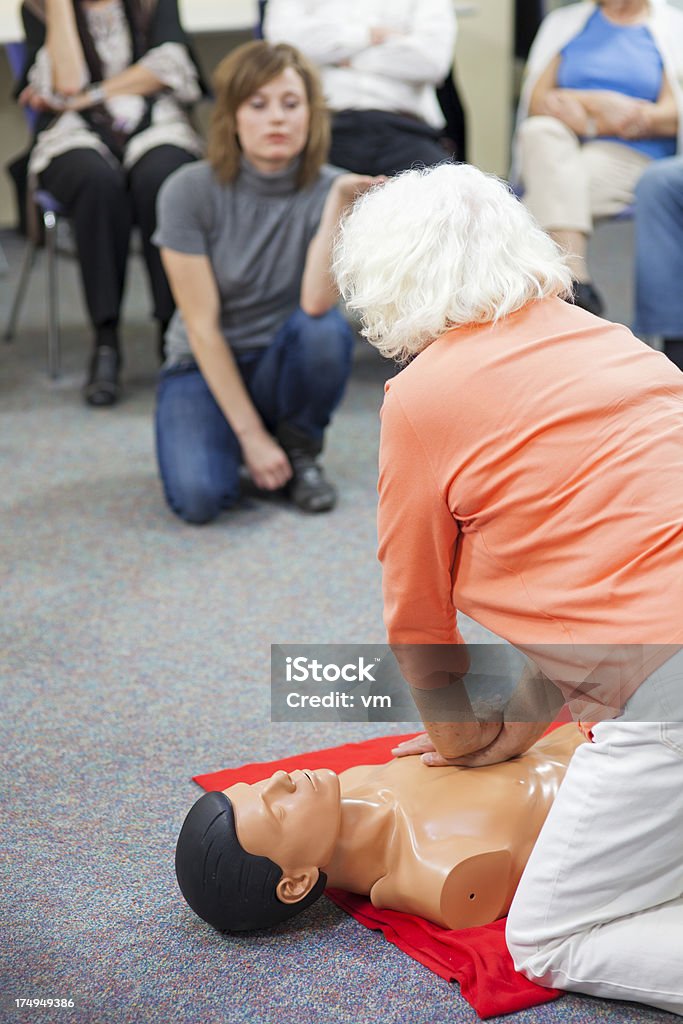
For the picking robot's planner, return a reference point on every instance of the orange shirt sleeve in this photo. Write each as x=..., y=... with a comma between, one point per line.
x=417, y=534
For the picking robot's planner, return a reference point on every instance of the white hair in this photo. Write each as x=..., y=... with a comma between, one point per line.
x=438, y=248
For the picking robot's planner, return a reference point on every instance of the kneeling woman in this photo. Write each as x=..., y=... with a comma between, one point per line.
x=257, y=355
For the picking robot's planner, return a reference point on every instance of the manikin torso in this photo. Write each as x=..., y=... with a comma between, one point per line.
x=453, y=842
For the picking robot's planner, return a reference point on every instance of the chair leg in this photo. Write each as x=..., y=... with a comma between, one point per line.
x=26, y=268
x=53, y=353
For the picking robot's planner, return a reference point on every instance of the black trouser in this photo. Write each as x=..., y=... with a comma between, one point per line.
x=103, y=203
x=379, y=142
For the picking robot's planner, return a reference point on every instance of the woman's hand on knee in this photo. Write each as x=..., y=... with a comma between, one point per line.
x=266, y=461
x=560, y=103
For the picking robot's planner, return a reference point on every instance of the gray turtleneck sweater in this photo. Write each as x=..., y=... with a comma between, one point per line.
x=255, y=232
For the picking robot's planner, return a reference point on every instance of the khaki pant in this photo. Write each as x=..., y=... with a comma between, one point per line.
x=567, y=183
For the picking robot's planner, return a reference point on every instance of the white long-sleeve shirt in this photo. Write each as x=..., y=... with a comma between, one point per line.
x=398, y=75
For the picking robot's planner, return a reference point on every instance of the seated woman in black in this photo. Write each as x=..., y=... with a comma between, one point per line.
x=113, y=81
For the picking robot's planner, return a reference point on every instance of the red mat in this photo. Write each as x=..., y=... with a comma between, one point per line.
x=477, y=958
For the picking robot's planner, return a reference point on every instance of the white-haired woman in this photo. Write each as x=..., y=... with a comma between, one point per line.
x=531, y=461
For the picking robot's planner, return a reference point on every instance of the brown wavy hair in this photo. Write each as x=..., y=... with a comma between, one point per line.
x=238, y=76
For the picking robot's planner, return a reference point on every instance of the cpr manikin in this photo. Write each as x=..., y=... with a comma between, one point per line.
x=448, y=844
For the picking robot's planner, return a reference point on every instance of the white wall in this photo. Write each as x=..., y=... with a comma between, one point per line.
x=485, y=74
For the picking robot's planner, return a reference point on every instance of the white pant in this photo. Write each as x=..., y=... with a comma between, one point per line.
x=599, y=908
x=568, y=183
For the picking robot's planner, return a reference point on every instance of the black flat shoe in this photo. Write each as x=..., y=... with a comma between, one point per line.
x=102, y=386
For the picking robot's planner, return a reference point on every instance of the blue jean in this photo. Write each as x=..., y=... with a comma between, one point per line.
x=298, y=379
x=659, y=249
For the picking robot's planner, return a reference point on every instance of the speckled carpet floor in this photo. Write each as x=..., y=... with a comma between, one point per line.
x=135, y=652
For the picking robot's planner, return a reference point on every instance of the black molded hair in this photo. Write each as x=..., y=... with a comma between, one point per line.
x=230, y=889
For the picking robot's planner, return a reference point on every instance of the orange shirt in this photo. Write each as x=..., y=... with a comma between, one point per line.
x=531, y=476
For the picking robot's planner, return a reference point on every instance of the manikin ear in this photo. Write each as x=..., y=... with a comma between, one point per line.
x=293, y=887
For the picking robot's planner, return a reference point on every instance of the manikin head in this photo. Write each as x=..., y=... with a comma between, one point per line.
x=252, y=857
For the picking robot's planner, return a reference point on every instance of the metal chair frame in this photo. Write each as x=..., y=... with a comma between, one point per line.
x=49, y=210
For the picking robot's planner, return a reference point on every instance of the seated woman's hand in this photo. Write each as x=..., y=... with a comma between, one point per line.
x=568, y=108
x=616, y=114
x=639, y=123
x=265, y=460
x=82, y=100
x=30, y=97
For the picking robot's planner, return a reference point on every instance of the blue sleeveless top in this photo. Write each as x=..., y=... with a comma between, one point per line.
x=621, y=58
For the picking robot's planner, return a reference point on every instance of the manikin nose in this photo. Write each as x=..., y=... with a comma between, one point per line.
x=281, y=780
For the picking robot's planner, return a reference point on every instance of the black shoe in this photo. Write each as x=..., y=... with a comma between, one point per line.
x=309, y=489
x=102, y=386
x=587, y=297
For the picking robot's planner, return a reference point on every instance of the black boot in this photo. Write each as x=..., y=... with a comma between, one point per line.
x=102, y=385
x=308, y=489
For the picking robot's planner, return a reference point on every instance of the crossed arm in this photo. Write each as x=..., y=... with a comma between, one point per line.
x=593, y=112
x=420, y=51
x=70, y=76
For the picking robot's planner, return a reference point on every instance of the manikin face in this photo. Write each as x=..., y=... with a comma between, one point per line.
x=272, y=125
x=293, y=819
